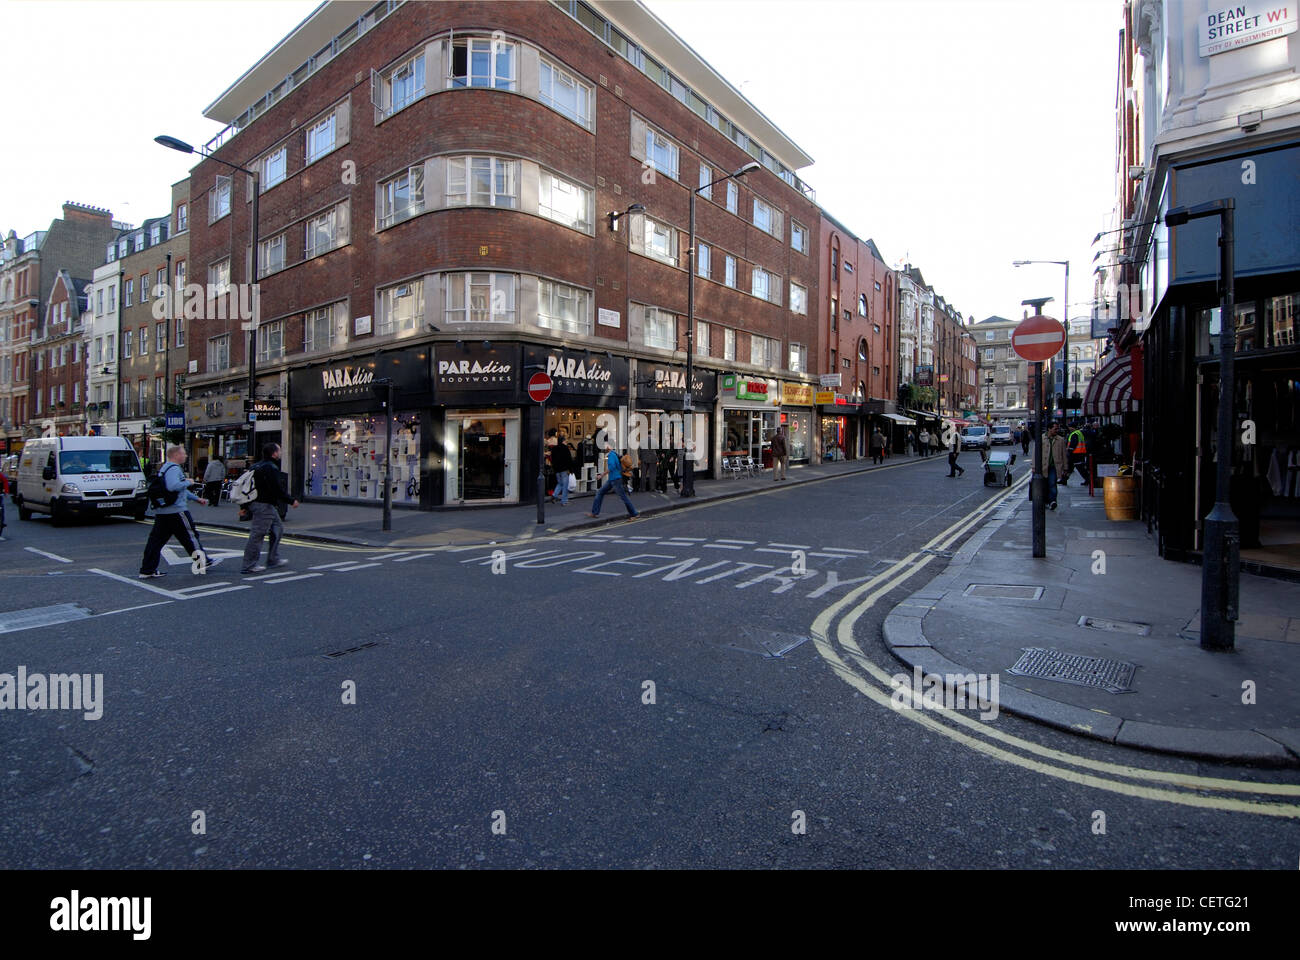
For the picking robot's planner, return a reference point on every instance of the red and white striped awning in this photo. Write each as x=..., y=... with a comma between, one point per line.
x=1110, y=391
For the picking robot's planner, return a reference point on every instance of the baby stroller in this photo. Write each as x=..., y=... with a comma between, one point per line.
x=997, y=468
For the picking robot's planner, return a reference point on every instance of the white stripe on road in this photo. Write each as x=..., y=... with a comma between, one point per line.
x=331, y=566
x=298, y=576
x=745, y=542
x=784, y=553
x=355, y=566
x=791, y=546
x=415, y=556
x=202, y=586
x=142, y=584
x=52, y=556
x=213, y=593
x=845, y=550
x=720, y=546
x=389, y=556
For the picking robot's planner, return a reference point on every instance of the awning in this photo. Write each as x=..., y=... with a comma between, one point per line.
x=1110, y=391
x=899, y=419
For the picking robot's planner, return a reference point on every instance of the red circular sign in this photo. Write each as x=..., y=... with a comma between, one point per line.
x=1038, y=338
x=539, y=387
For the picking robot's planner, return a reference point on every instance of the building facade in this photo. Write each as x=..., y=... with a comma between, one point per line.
x=1002, y=377
x=1207, y=107
x=461, y=221
x=58, y=379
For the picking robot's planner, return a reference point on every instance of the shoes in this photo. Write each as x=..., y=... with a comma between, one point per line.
x=279, y=563
x=594, y=516
x=256, y=569
x=1053, y=505
x=152, y=576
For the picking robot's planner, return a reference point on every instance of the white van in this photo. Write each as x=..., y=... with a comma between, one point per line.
x=78, y=477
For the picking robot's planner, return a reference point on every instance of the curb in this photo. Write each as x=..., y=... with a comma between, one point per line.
x=586, y=524
x=904, y=636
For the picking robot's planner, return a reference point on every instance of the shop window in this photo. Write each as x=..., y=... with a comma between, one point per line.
x=562, y=307
x=481, y=297
x=401, y=308
x=345, y=458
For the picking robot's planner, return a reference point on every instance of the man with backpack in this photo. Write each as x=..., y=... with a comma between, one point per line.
x=613, y=482
x=169, y=495
x=263, y=502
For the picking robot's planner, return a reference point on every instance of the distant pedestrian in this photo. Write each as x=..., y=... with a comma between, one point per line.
x=1024, y=441
x=647, y=460
x=780, y=453
x=562, y=462
x=212, y=478
x=954, y=470
x=925, y=442
x=171, y=518
x=613, y=482
x=911, y=441
x=265, y=512
x=877, y=447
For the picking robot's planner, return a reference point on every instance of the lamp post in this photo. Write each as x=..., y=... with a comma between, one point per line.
x=1221, y=566
x=1038, y=482
x=688, y=403
x=1065, y=307
x=385, y=387
x=181, y=146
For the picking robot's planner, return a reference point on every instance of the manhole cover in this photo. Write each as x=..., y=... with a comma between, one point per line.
x=41, y=616
x=1116, y=626
x=1004, y=591
x=1113, y=676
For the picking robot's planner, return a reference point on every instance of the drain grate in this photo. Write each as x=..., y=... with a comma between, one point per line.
x=1003, y=591
x=1116, y=626
x=1113, y=676
x=41, y=616
x=357, y=649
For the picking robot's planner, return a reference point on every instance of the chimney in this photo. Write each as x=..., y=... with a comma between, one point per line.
x=85, y=213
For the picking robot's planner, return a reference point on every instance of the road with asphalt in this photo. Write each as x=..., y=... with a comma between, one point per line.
x=706, y=687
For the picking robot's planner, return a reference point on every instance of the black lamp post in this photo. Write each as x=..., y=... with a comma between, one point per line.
x=688, y=402
x=181, y=146
x=1221, y=566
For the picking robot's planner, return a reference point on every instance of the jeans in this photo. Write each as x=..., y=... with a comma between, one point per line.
x=265, y=523
x=562, y=486
x=615, y=484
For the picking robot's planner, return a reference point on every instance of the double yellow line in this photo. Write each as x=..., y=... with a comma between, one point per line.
x=984, y=738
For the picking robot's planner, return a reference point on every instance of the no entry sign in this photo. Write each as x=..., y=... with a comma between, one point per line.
x=1038, y=338
x=539, y=387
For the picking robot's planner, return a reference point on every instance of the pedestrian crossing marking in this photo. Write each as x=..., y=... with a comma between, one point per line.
x=296, y=576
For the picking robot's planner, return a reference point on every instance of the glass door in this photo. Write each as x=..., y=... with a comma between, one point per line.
x=484, y=461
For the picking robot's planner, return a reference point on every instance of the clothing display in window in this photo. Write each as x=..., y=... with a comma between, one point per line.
x=346, y=458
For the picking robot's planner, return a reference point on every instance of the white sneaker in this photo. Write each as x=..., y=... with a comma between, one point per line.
x=279, y=563
x=259, y=568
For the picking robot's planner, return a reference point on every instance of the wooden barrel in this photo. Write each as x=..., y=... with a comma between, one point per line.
x=1121, y=498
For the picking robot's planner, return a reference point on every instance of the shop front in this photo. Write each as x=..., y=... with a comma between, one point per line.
x=797, y=401
x=749, y=418
x=589, y=389
x=660, y=394
x=216, y=426
x=478, y=446
x=841, y=433
x=340, y=428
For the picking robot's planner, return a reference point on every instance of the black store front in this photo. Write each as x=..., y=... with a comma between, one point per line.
x=340, y=428
x=660, y=391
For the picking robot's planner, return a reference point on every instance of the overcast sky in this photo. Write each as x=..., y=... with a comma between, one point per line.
x=960, y=134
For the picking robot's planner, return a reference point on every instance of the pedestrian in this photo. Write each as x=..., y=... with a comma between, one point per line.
x=171, y=518
x=877, y=447
x=780, y=454
x=647, y=461
x=1051, y=461
x=562, y=461
x=264, y=512
x=1024, y=440
x=925, y=442
x=213, y=475
x=613, y=482
x=911, y=441
x=954, y=451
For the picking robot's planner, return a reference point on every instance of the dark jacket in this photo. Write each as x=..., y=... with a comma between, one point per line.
x=562, y=458
x=270, y=489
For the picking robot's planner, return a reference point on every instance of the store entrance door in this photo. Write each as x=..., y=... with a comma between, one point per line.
x=484, y=461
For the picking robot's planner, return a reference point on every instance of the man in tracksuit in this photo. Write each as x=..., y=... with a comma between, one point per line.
x=265, y=512
x=613, y=482
x=174, y=520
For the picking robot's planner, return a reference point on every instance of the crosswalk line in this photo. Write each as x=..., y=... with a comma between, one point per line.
x=296, y=576
x=415, y=556
x=389, y=556
x=355, y=566
x=213, y=593
x=331, y=566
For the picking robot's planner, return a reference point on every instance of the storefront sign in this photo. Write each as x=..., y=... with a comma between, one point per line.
x=661, y=381
x=830, y=379
x=352, y=382
x=1242, y=24
x=263, y=409
x=797, y=394
x=175, y=421
x=744, y=388
x=471, y=372
x=216, y=410
x=825, y=397
x=925, y=375
x=578, y=373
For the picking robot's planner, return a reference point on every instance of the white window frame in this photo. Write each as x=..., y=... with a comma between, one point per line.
x=798, y=357
x=219, y=277
x=502, y=297
x=218, y=353
x=565, y=80
x=416, y=79
x=702, y=259
x=733, y=197
x=400, y=197
x=144, y=342
x=160, y=337
x=670, y=163
x=332, y=320
x=652, y=238
x=400, y=309
x=550, y=186
x=729, y=344
x=798, y=299
x=182, y=217
x=274, y=168
x=798, y=236
x=659, y=329
x=270, y=341
x=760, y=283
x=729, y=276
x=219, y=199
x=765, y=217
x=314, y=146
x=494, y=79
x=461, y=176
x=335, y=221
x=702, y=338
x=552, y=301
x=268, y=262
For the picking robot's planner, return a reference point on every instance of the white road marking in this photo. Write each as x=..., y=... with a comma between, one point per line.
x=52, y=556
x=331, y=566
x=139, y=606
x=415, y=556
x=212, y=593
x=791, y=546
x=142, y=584
x=389, y=556
x=846, y=550
x=355, y=566
x=784, y=553
x=298, y=576
x=745, y=542
x=719, y=546
x=201, y=587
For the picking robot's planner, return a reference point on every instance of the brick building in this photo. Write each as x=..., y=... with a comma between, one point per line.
x=437, y=184
x=954, y=360
x=57, y=388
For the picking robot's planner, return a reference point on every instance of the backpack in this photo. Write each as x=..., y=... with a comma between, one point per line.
x=244, y=489
x=159, y=495
x=627, y=463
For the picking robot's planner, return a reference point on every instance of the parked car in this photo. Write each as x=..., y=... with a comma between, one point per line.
x=975, y=438
x=1002, y=434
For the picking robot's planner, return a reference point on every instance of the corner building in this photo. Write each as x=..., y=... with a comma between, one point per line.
x=437, y=184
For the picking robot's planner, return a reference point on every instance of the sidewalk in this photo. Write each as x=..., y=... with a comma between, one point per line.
x=978, y=617
x=476, y=526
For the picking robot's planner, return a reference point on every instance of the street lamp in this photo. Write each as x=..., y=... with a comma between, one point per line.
x=1221, y=568
x=1038, y=481
x=614, y=216
x=1065, y=307
x=181, y=146
x=688, y=402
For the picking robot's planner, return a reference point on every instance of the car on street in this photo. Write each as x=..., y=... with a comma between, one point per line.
x=975, y=438
x=1001, y=434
